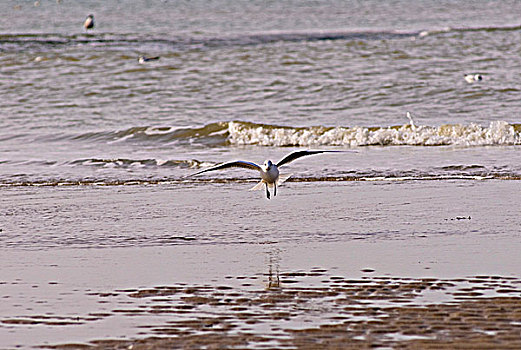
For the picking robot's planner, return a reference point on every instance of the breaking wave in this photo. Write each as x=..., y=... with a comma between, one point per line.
x=213, y=134
x=497, y=133
x=135, y=163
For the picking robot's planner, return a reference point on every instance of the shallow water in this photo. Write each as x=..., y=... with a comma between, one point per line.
x=93, y=216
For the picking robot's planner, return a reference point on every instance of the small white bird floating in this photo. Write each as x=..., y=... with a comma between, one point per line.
x=144, y=59
x=269, y=171
x=89, y=22
x=472, y=78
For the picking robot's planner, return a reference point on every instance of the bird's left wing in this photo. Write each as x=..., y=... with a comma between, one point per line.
x=297, y=154
x=234, y=164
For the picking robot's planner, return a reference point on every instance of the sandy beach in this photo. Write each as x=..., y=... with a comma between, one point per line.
x=451, y=280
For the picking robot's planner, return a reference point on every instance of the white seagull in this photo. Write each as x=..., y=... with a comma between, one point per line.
x=269, y=171
x=89, y=22
x=144, y=59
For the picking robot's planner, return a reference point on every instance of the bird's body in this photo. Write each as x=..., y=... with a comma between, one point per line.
x=269, y=172
x=144, y=59
x=472, y=78
x=89, y=22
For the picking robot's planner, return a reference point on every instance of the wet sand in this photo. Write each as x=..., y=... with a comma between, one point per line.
x=335, y=295
x=423, y=287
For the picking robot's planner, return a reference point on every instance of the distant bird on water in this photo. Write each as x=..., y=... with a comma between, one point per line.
x=472, y=78
x=89, y=22
x=269, y=172
x=144, y=59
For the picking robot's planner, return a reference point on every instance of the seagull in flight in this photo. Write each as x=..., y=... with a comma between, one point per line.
x=269, y=171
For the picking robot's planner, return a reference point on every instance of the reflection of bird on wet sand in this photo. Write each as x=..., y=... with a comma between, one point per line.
x=273, y=276
x=273, y=280
x=89, y=22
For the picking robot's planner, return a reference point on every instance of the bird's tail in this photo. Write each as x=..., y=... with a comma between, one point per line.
x=262, y=183
x=258, y=186
x=283, y=179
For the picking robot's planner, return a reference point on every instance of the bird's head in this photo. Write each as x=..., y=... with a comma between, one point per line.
x=268, y=164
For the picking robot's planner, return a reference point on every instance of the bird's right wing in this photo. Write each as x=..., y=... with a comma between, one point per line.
x=297, y=154
x=234, y=164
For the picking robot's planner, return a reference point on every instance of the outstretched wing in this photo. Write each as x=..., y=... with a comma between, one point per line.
x=235, y=164
x=297, y=154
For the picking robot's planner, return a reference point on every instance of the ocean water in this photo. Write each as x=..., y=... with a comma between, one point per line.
x=252, y=80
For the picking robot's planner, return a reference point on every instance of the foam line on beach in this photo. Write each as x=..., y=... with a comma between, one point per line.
x=227, y=180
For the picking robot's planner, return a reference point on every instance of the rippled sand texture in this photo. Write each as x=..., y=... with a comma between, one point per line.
x=357, y=263
x=476, y=312
x=267, y=295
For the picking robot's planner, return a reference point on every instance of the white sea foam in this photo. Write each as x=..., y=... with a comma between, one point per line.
x=159, y=130
x=497, y=133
